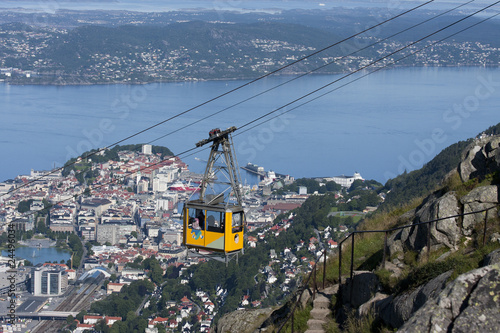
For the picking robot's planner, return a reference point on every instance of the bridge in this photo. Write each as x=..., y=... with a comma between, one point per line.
x=44, y=315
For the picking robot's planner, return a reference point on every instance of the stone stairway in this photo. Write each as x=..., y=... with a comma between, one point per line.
x=321, y=310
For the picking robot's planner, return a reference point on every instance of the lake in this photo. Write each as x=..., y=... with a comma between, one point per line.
x=381, y=125
x=42, y=255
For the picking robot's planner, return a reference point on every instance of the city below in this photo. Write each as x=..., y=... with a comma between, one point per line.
x=131, y=213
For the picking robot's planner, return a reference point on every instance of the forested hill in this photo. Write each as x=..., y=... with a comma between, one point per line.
x=187, y=50
x=203, y=50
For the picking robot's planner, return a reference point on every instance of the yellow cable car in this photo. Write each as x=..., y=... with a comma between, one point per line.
x=212, y=222
x=216, y=228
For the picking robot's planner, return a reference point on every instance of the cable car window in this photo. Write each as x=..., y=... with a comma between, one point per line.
x=237, y=222
x=196, y=219
x=215, y=221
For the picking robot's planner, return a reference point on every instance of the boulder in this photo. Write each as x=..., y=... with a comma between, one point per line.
x=394, y=311
x=395, y=246
x=492, y=258
x=482, y=157
x=468, y=304
x=473, y=162
x=444, y=232
x=478, y=199
x=364, y=285
x=243, y=321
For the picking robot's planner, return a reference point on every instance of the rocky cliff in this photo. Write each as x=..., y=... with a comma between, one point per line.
x=471, y=302
x=481, y=160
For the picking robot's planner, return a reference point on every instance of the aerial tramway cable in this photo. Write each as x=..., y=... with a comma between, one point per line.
x=307, y=73
x=358, y=78
x=192, y=150
x=224, y=94
x=366, y=66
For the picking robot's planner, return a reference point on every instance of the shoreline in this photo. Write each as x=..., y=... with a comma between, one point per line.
x=194, y=80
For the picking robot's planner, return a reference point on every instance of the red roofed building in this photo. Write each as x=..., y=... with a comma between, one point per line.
x=158, y=320
x=333, y=244
x=252, y=241
x=83, y=327
x=91, y=319
x=111, y=320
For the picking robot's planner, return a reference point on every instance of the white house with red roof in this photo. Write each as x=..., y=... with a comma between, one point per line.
x=80, y=328
x=252, y=241
x=245, y=300
x=332, y=244
x=158, y=320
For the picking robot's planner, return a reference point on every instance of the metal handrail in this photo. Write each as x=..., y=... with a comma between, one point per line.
x=386, y=231
x=300, y=290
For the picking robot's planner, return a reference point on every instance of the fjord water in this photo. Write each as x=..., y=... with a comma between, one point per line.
x=381, y=125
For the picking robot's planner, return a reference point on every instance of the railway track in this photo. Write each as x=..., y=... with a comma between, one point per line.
x=77, y=300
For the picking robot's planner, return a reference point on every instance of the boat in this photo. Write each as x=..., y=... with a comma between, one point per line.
x=181, y=187
x=254, y=168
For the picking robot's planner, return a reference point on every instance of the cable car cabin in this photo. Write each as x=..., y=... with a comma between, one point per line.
x=216, y=227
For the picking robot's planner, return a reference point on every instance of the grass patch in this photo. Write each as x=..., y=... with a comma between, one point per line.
x=459, y=262
x=365, y=324
x=454, y=183
x=368, y=248
x=300, y=320
x=387, y=279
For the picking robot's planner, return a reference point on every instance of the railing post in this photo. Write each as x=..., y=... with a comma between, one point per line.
x=429, y=240
x=340, y=263
x=352, y=267
x=485, y=223
x=314, y=277
x=352, y=255
x=324, y=268
x=385, y=250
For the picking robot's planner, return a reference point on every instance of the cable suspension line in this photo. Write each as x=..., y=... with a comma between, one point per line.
x=224, y=94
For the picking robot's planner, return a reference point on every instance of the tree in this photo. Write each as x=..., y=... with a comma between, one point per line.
x=24, y=206
x=80, y=315
x=70, y=319
x=161, y=328
x=41, y=227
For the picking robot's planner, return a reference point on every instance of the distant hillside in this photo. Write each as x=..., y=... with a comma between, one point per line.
x=217, y=49
x=142, y=48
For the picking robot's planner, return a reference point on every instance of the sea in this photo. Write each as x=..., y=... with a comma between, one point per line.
x=270, y=6
x=381, y=125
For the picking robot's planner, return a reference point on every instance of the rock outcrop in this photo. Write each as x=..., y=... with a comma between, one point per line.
x=363, y=286
x=395, y=311
x=471, y=303
x=481, y=158
x=447, y=231
x=243, y=321
x=479, y=199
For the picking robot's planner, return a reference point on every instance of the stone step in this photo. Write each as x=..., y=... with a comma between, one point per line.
x=315, y=331
x=315, y=324
x=321, y=302
x=331, y=290
x=319, y=314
